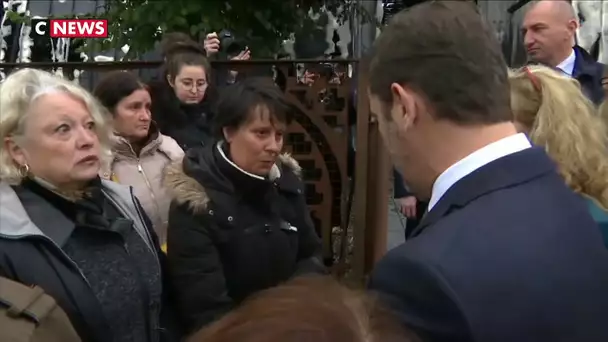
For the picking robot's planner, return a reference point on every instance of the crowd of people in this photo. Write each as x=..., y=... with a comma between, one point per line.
x=168, y=211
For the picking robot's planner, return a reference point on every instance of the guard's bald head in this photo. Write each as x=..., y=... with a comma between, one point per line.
x=557, y=9
x=549, y=29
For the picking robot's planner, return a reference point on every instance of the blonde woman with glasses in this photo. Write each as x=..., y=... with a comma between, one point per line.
x=552, y=110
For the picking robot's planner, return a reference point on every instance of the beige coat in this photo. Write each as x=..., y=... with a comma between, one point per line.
x=28, y=314
x=145, y=174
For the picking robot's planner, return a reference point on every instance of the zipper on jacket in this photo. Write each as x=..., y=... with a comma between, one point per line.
x=140, y=215
x=141, y=171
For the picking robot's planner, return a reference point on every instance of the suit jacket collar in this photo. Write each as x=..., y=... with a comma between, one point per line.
x=504, y=172
x=475, y=160
x=585, y=65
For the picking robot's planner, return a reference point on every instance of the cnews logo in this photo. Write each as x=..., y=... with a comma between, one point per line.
x=70, y=28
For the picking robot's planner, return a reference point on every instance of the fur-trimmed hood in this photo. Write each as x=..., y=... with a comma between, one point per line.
x=185, y=189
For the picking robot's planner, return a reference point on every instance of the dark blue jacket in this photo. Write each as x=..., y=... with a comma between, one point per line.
x=508, y=254
x=589, y=73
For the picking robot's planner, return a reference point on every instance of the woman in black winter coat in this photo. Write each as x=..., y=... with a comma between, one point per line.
x=182, y=101
x=238, y=222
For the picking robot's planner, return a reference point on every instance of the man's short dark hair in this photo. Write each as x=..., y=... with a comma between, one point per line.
x=444, y=51
x=237, y=104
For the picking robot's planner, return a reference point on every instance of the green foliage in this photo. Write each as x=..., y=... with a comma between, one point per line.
x=263, y=25
x=16, y=17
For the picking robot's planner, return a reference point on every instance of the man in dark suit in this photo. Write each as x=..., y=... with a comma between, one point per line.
x=506, y=251
x=549, y=30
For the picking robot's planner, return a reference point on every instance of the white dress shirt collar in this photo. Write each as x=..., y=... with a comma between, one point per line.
x=567, y=65
x=474, y=161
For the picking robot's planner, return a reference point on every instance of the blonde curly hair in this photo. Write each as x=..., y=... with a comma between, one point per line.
x=551, y=107
x=603, y=111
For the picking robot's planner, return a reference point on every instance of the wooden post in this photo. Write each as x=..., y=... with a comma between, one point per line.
x=377, y=195
x=361, y=175
x=371, y=187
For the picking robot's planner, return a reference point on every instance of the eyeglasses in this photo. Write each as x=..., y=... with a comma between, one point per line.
x=194, y=86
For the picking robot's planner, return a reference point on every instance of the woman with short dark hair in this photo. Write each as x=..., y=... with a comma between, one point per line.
x=238, y=222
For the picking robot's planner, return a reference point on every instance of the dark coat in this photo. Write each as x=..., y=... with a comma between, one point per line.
x=508, y=254
x=589, y=73
x=188, y=124
x=37, y=242
x=231, y=235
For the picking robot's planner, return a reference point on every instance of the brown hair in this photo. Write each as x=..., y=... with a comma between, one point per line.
x=307, y=309
x=115, y=86
x=444, y=51
x=179, y=50
x=183, y=54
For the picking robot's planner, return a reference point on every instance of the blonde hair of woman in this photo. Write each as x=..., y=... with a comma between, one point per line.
x=603, y=112
x=552, y=109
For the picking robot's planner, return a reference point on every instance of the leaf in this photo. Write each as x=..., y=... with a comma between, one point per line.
x=181, y=21
x=17, y=17
x=194, y=30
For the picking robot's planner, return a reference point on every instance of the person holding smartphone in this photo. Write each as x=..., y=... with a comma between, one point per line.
x=213, y=45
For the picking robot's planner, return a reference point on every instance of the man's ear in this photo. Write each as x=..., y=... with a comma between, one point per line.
x=15, y=151
x=405, y=99
x=572, y=26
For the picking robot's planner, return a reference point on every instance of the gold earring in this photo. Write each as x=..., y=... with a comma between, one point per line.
x=24, y=170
